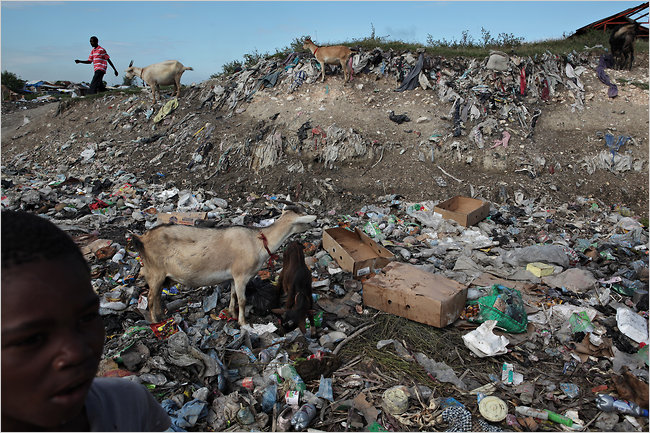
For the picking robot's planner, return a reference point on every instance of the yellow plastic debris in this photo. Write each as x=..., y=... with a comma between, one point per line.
x=540, y=269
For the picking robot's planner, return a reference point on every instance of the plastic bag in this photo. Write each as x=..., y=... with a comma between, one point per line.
x=505, y=306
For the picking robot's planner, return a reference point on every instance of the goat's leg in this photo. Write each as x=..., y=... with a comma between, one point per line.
x=322, y=70
x=345, y=69
x=240, y=291
x=155, y=307
x=302, y=327
x=314, y=332
x=233, y=299
x=178, y=86
x=631, y=60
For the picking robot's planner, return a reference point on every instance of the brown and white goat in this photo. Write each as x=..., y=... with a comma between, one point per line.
x=295, y=279
x=163, y=74
x=337, y=54
x=621, y=43
x=198, y=256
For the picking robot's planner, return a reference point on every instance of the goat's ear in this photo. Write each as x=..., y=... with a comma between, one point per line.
x=131, y=64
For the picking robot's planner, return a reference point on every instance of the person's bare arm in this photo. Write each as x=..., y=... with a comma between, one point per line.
x=112, y=66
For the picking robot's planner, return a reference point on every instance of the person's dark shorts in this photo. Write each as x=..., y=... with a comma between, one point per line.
x=97, y=85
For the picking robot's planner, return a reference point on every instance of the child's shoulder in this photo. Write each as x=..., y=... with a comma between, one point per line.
x=112, y=402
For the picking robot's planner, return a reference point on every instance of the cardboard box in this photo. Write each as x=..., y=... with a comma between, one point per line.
x=354, y=251
x=407, y=291
x=185, y=218
x=464, y=210
x=540, y=269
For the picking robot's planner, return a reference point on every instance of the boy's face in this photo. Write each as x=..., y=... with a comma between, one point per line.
x=52, y=340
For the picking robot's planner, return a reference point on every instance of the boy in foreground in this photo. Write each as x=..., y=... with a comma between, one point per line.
x=52, y=340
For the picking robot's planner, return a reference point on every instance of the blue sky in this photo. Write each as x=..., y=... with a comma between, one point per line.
x=40, y=40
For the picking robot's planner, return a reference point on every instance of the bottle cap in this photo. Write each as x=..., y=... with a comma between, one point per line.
x=493, y=408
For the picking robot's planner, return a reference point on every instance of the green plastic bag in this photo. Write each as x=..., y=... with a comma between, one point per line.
x=580, y=322
x=504, y=305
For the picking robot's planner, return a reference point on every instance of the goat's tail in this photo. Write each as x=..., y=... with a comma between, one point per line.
x=188, y=68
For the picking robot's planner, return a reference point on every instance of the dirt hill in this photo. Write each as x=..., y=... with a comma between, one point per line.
x=334, y=143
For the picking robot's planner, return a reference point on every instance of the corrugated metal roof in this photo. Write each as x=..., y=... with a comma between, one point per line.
x=631, y=15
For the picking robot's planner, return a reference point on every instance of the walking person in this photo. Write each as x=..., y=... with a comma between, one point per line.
x=98, y=57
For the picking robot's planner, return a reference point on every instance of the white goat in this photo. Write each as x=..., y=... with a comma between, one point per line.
x=198, y=256
x=163, y=74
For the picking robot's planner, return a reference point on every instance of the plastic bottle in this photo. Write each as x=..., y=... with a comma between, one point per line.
x=325, y=388
x=119, y=255
x=276, y=378
x=607, y=403
x=265, y=356
x=289, y=373
x=560, y=419
x=245, y=416
x=269, y=397
x=301, y=419
x=544, y=414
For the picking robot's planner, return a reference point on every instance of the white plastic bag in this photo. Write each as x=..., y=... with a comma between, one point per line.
x=483, y=342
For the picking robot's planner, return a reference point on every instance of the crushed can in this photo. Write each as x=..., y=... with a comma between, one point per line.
x=292, y=398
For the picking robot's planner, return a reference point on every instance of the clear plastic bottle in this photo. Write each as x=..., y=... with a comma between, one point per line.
x=303, y=417
x=287, y=372
x=245, y=416
x=607, y=403
x=265, y=356
x=119, y=255
x=529, y=411
x=269, y=397
x=325, y=388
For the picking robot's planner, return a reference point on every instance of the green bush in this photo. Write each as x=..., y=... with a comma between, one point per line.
x=12, y=81
x=231, y=67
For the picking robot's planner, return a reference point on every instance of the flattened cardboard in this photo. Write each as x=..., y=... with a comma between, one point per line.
x=464, y=210
x=354, y=251
x=407, y=291
x=185, y=218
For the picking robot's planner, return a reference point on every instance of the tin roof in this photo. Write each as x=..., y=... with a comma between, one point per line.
x=631, y=15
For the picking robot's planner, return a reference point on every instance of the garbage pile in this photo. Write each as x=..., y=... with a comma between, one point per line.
x=490, y=99
x=550, y=332
x=482, y=101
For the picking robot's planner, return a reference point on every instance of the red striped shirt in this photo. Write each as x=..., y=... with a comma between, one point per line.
x=99, y=56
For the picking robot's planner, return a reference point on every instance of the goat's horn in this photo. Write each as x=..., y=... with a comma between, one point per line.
x=287, y=202
x=131, y=64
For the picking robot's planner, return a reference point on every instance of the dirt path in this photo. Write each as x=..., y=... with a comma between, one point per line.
x=14, y=123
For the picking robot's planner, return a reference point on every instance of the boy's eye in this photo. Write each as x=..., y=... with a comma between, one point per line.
x=30, y=341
